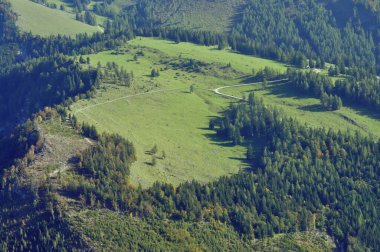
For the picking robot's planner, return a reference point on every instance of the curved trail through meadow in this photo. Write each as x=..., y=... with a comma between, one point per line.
x=124, y=97
x=217, y=90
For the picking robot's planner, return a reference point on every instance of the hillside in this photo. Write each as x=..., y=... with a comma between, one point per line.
x=63, y=221
x=221, y=125
x=278, y=29
x=44, y=21
x=217, y=16
x=177, y=120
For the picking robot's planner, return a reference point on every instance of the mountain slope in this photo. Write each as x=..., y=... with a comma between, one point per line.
x=277, y=29
x=44, y=21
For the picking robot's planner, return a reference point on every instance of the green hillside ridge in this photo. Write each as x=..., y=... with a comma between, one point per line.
x=44, y=21
x=221, y=125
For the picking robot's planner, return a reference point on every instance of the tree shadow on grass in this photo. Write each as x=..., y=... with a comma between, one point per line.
x=245, y=165
x=281, y=90
x=223, y=142
x=362, y=110
x=149, y=163
x=286, y=90
x=313, y=108
x=289, y=91
x=217, y=140
x=250, y=79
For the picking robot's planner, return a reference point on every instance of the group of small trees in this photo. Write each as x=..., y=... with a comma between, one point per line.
x=88, y=18
x=113, y=74
x=333, y=71
x=317, y=85
x=318, y=63
x=153, y=152
x=331, y=102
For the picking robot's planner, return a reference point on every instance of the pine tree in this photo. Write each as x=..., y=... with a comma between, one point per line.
x=325, y=100
x=192, y=88
x=154, y=149
x=250, y=152
x=154, y=161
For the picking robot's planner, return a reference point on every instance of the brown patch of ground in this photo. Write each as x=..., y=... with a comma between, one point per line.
x=58, y=152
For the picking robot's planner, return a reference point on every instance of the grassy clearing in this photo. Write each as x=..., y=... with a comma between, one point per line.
x=176, y=122
x=240, y=62
x=211, y=54
x=173, y=119
x=166, y=114
x=44, y=21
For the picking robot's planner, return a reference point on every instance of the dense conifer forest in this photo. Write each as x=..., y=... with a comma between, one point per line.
x=44, y=81
x=298, y=179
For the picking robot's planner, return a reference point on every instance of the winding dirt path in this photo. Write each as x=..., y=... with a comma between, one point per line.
x=217, y=90
x=124, y=97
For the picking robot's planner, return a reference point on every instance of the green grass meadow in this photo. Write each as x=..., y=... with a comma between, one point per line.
x=240, y=62
x=173, y=118
x=165, y=113
x=44, y=21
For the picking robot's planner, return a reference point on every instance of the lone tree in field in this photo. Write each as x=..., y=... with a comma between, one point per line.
x=82, y=60
x=192, y=88
x=265, y=83
x=250, y=152
x=154, y=73
x=211, y=124
x=154, y=161
x=154, y=149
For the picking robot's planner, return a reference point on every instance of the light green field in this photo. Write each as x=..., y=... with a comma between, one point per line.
x=44, y=21
x=240, y=62
x=172, y=118
x=164, y=113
